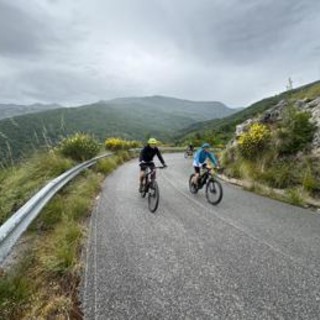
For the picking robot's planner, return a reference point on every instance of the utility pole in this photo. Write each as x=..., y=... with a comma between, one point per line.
x=290, y=84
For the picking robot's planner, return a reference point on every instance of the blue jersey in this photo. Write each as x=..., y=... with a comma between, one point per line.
x=201, y=156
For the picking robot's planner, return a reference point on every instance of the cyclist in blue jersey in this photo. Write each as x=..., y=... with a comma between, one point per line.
x=199, y=160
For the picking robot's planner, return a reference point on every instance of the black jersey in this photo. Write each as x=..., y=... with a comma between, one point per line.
x=147, y=154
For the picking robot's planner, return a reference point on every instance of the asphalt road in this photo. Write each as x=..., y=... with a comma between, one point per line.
x=250, y=257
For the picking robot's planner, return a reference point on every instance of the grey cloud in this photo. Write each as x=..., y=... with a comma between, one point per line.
x=243, y=31
x=70, y=87
x=76, y=51
x=260, y=29
x=19, y=33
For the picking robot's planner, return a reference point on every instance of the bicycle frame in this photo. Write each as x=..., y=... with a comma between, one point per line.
x=150, y=176
x=203, y=177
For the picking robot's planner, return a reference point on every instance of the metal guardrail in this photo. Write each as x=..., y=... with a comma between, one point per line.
x=18, y=223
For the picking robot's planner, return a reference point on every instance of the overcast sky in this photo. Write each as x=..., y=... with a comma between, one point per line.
x=79, y=51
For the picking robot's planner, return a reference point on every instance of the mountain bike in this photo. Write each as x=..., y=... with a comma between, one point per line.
x=151, y=188
x=214, y=191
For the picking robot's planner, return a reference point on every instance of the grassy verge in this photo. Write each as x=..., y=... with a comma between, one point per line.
x=43, y=284
x=295, y=180
x=294, y=196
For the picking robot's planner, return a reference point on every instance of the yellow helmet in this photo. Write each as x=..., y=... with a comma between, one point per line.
x=152, y=141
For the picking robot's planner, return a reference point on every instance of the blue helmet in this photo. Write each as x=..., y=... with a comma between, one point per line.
x=205, y=145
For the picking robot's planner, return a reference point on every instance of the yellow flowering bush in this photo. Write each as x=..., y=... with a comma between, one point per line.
x=79, y=147
x=116, y=144
x=252, y=142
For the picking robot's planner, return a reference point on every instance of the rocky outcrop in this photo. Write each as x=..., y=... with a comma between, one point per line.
x=314, y=108
x=243, y=127
x=275, y=113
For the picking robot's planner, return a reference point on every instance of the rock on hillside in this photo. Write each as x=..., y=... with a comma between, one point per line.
x=313, y=107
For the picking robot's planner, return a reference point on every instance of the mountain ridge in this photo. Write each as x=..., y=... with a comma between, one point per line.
x=128, y=118
x=11, y=109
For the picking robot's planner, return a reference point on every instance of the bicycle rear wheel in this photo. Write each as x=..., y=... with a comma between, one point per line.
x=153, y=196
x=192, y=187
x=214, y=192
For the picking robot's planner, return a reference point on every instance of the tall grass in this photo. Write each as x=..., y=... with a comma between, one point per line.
x=311, y=92
x=44, y=283
x=19, y=183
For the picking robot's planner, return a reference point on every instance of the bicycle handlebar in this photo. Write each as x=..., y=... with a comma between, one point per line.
x=156, y=167
x=160, y=167
x=217, y=169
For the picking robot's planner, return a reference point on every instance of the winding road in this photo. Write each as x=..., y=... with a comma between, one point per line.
x=250, y=257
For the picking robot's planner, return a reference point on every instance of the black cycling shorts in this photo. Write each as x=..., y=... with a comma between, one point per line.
x=197, y=169
x=145, y=165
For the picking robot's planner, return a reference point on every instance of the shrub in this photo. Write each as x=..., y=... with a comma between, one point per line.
x=310, y=177
x=309, y=182
x=116, y=144
x=295, y=133
x=48, y=164
x=294, y=196
x=233, y=170
x=252, y=142
x=228, y=156
x=280, y=175
x=79, y=147
x=106, y=165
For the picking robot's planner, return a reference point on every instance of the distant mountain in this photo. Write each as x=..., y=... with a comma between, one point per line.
x=12, y=110
x=196, y=110
x=132, y=118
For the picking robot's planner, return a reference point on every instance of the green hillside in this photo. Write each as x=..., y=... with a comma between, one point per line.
x=224, y=128
x=133, y=118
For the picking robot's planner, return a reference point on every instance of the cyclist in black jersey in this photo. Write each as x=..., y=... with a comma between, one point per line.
x=146, y=159
x=191, y=148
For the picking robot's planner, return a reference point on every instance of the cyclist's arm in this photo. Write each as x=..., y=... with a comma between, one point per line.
x=160, y=156
x=213, y=159
x=141, y=154
x=196, y=159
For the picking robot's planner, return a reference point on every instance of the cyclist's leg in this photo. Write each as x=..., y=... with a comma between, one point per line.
x=196, y=174
x=143, y=169
x=151, y=165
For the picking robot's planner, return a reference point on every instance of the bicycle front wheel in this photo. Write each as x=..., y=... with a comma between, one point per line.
x=214, y=192
x=144, y=189
x=153, y=197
